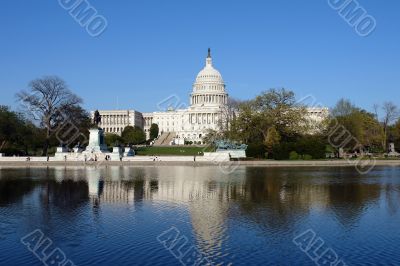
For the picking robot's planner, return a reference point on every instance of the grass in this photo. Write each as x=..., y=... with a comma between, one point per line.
x=173, y=150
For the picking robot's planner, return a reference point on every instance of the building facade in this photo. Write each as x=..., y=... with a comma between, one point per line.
x=208, y=102
x=114, y=121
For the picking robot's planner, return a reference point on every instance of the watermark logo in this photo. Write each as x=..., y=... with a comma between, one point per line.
x=86, y=16
x=355, y=15
x=172, y=102
x=340, y=137
x=316, y=249
x=43, y=248
x=177, y=245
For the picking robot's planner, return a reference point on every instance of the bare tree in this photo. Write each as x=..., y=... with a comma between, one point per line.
x=376, y=108
x=390, y=114
x=228, y=113
x=343, y=108
x=45, y=101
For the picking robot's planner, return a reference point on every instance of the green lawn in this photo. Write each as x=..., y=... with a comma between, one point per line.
x=173, y=150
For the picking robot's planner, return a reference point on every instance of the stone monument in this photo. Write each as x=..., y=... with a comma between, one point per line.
x=341, y=153
x=61, y=152
x=116, y=154
x=234, y=151
x=96, y=137
x=129, y=152
x=392, y=151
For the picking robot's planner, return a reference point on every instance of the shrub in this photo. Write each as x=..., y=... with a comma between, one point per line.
x=307, y=157
x=293, y=155
x=306, y=148
x=282, y=151
x=256, y=150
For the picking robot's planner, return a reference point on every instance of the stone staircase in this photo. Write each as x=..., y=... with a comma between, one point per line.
x=170, y=137
x=165, y=139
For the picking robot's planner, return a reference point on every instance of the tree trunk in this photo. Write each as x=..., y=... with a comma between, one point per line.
x=46, y=143
x=3, y=144
x=45, y=147
x=384, y=139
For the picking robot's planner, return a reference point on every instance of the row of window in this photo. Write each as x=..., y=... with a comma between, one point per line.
x=209, y=76
x=174, y=129
x=203, y=87
x=114, y=129
x=114, y=119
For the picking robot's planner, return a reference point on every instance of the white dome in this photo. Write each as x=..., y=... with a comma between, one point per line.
x=209, y=75
x=209, y=79
x=209, y=87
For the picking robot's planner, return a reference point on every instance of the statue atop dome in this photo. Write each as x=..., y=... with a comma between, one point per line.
x=209, y=53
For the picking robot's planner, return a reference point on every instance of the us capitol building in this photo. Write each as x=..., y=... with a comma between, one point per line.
x=208, y=102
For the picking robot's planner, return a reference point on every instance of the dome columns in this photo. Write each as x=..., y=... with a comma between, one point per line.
x=214, y=99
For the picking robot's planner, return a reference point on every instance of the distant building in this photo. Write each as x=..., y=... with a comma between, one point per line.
x=114, y=121
x=316, y=115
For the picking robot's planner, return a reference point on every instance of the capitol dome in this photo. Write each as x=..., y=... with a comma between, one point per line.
x=209, y=75
x=209, y=87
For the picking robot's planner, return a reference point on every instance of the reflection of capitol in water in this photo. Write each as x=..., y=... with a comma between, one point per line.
x=114, y=184
x=206, y=201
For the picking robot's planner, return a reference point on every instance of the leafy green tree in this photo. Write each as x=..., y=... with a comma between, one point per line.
x=352, y=128
x=373, y=134
x=9, y=122
x=18, y=134
x=154, y=130
x=244, y=127
x=133, y=135
x=271, y=117
x=272, y=138
x=278, y=108
x=112, y=139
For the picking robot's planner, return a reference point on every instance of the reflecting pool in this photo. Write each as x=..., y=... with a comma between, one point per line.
x=182, y=214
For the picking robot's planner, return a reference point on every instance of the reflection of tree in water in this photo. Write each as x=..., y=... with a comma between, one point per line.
x=138, y=184
x=67, y=193
x=13, y=189
x=348, y=201
x=277, y=199
x=392, y=196
x=153, y=186
x=15, y=183
x=272, y=199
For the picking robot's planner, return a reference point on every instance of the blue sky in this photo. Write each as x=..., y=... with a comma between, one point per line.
x=154, y=49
